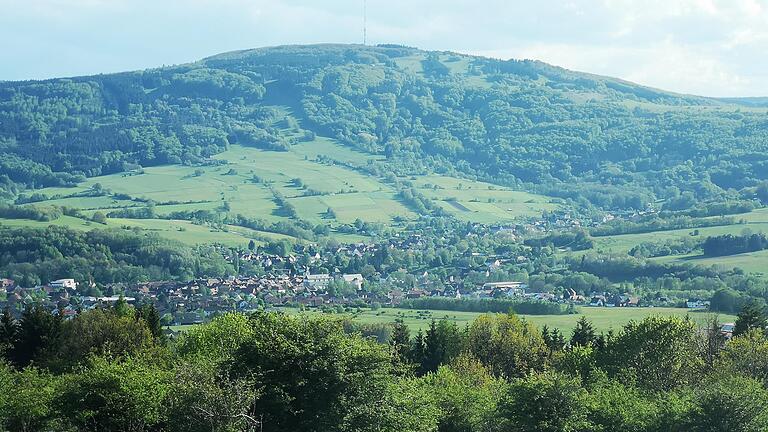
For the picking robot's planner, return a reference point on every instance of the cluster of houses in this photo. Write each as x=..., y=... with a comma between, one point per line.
x=289, y=282
x=194, y=301
x=197, y=300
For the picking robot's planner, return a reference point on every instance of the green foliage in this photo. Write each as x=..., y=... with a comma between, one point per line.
x=465, y=394
x=37, y=336
x=547, y=402
x=9, y=331
x=509, y=346
x=114, y=396
x=342, y=376
x=44, y=214
x=525, y=307
x=727, y=300
x=614, y=406
x=578, y=240
x=275, y=372
x=751, y=316
x=218, y=340
x=657, y=353
x=151, y=317
x=400, y=343
x=745, y=355
x=733, y=404
x=584, y=334
x=442, y=343
x=655, y=223
x=35, y=256
x=26, y=399
x=99, y=332
x=730, y=245
x=515, y=122
x=202, y=399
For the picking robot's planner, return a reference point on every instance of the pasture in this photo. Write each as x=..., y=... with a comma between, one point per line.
x=603, y=319
x=246, y=180
x=179, y=230
x=753, y=262
x=482, y=202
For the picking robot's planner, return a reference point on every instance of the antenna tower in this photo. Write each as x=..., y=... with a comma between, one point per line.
x=365, y=22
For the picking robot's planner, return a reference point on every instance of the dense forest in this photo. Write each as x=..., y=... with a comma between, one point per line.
x=36, y=256
x=114, y=369
x=596, y=140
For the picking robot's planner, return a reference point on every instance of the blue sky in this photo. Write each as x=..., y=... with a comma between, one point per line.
x=706, y=47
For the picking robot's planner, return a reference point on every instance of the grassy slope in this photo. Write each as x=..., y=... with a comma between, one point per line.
x=180, y=230
x=756, y=221
x=479, y=201
x=602, y=318
x=351, y=194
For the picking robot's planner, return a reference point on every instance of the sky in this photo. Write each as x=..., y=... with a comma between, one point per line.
x=703, y=47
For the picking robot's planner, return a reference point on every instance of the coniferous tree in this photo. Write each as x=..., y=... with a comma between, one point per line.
x=151, y=318
x=38, y=330
x=583, y=333
x=418, y=348
x=9, y=331
x=554, y=339
x=712, y=342
x=122, y=308
x=557, y=341
x=400, y=341
x=546, y=335
x=433, y=353
x=751, y=316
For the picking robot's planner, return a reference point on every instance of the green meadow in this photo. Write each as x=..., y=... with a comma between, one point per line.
x=249, y=179
x=482, y=202
x=603, y=319
x=180, y=230
x=753, y=262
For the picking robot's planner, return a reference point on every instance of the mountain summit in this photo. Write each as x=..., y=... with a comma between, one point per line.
x=519, y=123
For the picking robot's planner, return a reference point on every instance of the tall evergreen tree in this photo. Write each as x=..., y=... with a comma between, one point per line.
x=583, y=333
x=9, y=331
x=557, y=341
x=151, y=317
x=400, y=342
x=418, y=348
x=751, y=316
x=122, y=308
x=546, y=335
x=38, y=331
x=433, y=353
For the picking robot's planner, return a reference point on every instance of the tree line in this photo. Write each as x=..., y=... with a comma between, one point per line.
x=113, y=369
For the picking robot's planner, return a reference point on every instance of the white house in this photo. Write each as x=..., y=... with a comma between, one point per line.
x=356, y=279
x=63, y=283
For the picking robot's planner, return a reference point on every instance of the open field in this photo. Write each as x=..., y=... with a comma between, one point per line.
x=602, y=318
x=180, y=230
x=481, y=202
x=753, y=262
x=250, y=178
x=755, y=221
x=624, y=242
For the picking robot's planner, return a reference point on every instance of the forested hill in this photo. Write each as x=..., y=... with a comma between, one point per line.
x=519, y=123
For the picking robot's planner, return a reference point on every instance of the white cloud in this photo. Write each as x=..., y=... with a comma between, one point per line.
x=710, y=47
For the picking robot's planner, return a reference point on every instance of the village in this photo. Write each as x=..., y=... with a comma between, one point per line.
x=199, y=300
